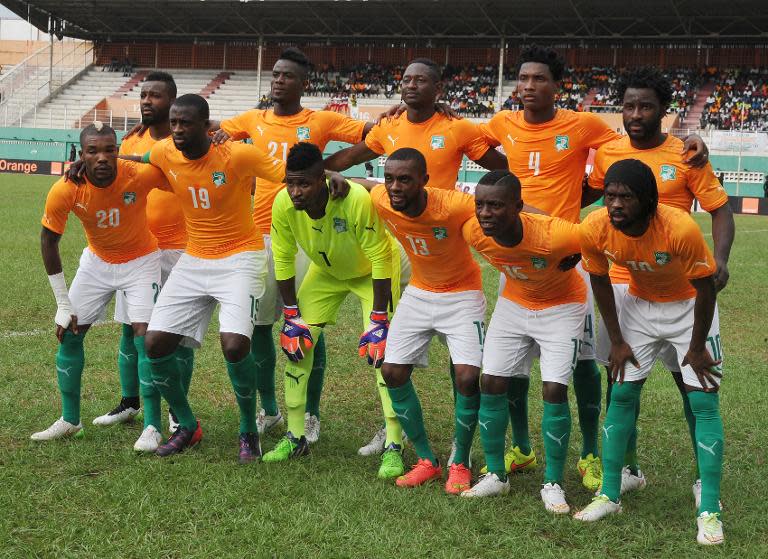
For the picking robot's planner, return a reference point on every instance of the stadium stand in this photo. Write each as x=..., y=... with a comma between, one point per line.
x=739, y=100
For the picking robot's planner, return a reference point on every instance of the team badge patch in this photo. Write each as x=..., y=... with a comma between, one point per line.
x=561, y=143
x=302, y=133
x=437, y=142
x=668, y=173
x=129, y=198
x=219, y=178
x=662, y=258
x=538, y=263
x=440, y=233
x=339, y=225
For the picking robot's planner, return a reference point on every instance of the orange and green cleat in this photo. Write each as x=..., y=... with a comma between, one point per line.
x=459, y=479
x=421, y=473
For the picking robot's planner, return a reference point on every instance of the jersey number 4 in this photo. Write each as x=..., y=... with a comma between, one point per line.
x=534, y=162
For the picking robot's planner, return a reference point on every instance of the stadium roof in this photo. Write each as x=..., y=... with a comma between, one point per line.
x=479, y=21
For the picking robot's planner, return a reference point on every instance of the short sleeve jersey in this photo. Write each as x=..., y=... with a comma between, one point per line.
x=349, y=241
x=215, y=194
x=549, y=158
x=114, y=217
x=440, y=257
x=534, y=280
x=164, y=215
x=277, y=134
x=443, y=143
x=660, y=261
x=678, y=182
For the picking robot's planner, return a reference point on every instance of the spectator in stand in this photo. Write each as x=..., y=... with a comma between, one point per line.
x=127, y=67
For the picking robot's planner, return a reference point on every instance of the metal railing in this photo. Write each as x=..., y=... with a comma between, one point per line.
x=69, y=117
x=43, y=73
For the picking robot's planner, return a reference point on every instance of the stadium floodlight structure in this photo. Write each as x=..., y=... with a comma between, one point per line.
x=483, y=22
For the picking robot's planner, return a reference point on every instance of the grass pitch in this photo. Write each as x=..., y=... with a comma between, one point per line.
x=96, y=498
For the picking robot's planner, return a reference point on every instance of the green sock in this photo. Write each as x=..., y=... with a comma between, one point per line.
x=690, y=419
x=265, y=358
x=167, y=378
x=185, y=357
x=150, y=395
x=406, y=404
x=70, y=361
x=297, y=378
x=465, y=416
x=127, y=364
x=617, y=428
x=243, y=377
x=586, y=386
x=556, y=432
x=630, y=456
x=710, y=440
x=493, y=418
x=316, y=378
x=517, y=397
x=391, y=424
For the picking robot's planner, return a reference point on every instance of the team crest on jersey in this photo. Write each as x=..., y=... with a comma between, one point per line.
x=440, y=233
x=662, y=258
x=538, y=262
x=129, y=198
x=302, y=133
x=219, y=178
x=561, y=143
x=339, y=225
x=668, y=173
x=437, y=142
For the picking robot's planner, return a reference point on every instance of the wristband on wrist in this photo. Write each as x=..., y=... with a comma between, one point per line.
x=291, y=311
x=59, y=288
x=379, y=316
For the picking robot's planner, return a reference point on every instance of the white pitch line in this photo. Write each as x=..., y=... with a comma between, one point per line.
x=41, y=331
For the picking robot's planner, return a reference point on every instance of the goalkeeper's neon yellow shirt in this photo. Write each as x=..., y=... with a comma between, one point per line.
x=349, y=241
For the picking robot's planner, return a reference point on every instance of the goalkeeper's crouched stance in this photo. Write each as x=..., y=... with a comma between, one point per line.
x=350, y=252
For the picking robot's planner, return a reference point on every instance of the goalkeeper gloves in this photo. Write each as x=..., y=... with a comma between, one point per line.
x=373, y=341
x=293, y=331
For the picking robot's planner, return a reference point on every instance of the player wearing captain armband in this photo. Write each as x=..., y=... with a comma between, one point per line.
x=121, y=256
x=541, y=305
x=670, y=302
x=350, y=252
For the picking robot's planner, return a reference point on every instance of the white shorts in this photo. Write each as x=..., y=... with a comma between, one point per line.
x=96, y=281
x=168, y=259
x=648, y=327
x=668, y=355
x=196, y=285
x=588, y=340
x=420, y=314
x=271, y=304
x=514, y=333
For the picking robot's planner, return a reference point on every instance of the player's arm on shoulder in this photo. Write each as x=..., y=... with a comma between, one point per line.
x=566, y=239
x=235, y=128
x=695, y=151
x=343, y=128
x=487, y=129
x=493, y=160
x=151, y=177
x=353, y=155
x=371, y=235
x=596, y=130
x=476, y=146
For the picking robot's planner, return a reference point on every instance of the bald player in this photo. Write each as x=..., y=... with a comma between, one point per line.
x=224, y=263
x=670, y=301
x=547, y=149
x=540, y=305
x=121, y=256
x=166, y=222
x=644, y=95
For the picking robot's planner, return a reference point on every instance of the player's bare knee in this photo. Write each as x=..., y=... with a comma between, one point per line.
x=467, y=379
x=395, y=375
x=235, y=347
x=493, y=384
x=139, y=328
x=554, y=392
x=159, y=344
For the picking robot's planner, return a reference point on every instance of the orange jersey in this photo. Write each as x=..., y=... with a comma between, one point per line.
x=114, y=217
x=550, y=158
x=277, y=134
x=215, y=194
x=164, y=215
x=440, y=258
x=443, y=143
x=660, y=261
x=533, y=279
x=678, y=182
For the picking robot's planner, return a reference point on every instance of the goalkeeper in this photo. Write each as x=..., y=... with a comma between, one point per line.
x=350, y=252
